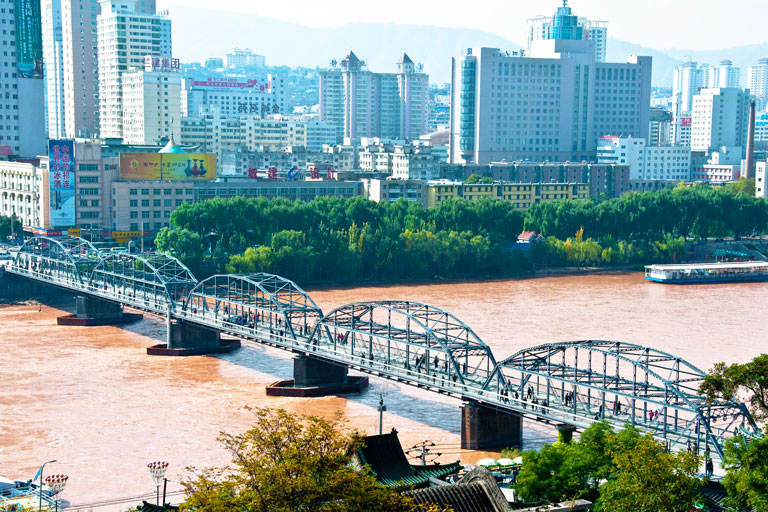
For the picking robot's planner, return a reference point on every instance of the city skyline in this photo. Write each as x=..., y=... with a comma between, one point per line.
x=685, y=24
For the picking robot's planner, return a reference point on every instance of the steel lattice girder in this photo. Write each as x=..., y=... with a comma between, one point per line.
x=230, y=294
x=149, y=275
x=635, y=374
x=70, y=256
x=410, y=335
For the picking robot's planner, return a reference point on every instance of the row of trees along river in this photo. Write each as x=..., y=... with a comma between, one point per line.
x=349, y=240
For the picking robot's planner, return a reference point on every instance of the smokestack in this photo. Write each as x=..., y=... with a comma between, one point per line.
x=750, y=170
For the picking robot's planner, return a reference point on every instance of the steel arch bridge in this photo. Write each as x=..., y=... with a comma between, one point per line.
x=68, y=259
x=577, y=383
x=263, y=301
x=409, y=338
x=155, y=279
x=623, y=383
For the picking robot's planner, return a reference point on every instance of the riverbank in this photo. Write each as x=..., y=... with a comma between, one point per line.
x=538, y=273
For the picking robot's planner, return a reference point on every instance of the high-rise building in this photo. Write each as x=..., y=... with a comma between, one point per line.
x=53, y=68
x=719, y=119
x=551, y=106
x=728, y=75
x=126, y=37
x=244, y=58
x=361, y=103
x=565, y=25
x=691, y=77
x=758, y=82
x=22, y=119
x=232, y=95
x=151, y=102
x=80, y=76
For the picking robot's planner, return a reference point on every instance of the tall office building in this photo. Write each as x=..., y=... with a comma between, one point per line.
x=152, y=102
x=361, y=103
x=552, y=106
x=565, y=25
x=719, y=119
x=758, y=82
x=53, y=68
x=22, y=119
x=80, y=76
x=125, y=37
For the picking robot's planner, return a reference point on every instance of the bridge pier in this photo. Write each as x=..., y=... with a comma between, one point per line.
x=92, y=311
x=317, y=377
x=484, y=428
x=187, y=339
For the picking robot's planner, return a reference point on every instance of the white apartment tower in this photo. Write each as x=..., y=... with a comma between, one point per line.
x=758, y=82
x=361, y=103
x=728, y=75
x=53, y=68
x=719, y=119
x=125, y=37
x=151, y=104
x=22, y=118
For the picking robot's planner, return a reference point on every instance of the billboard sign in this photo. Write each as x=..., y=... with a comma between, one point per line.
x=29, y=39
x=167, y=166
x=256, y=84
x=61, y=186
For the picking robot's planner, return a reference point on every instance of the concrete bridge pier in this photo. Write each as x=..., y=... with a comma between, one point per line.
x=485, y=428
x=188, y=339
x=91, y=311
x=317, y=377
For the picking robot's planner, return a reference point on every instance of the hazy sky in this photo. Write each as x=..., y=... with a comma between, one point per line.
x=660, y=24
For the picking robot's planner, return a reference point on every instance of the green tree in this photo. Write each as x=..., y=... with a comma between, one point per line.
x=288, y=463
x=749, y=380
x=10, y=225
x=650, y=479
x=746, y=479
x=473, y=179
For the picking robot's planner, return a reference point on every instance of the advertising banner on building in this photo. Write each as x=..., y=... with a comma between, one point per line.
x=29, y=39
x=167, y=166
x=61, y=176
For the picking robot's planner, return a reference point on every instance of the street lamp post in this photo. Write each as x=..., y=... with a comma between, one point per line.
x=157, y=470
x=40, y=488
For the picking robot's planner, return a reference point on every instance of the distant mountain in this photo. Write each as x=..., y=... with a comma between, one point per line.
x=199, y=33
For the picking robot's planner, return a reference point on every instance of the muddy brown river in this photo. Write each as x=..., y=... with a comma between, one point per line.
x=91, y=398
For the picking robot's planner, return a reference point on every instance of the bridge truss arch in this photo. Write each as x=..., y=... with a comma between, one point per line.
x=410, y=340
x=626, y=383
x=68, y=259
x=257, y=301
x=154, y=280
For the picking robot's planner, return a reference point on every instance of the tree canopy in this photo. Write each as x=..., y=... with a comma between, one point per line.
x=5, y=227
x=290, y=463
x=603, y=467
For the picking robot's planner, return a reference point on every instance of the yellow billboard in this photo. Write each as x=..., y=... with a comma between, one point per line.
x=167, y=166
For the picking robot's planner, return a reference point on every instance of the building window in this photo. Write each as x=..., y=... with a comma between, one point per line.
x=134, y=203
x=145, y=214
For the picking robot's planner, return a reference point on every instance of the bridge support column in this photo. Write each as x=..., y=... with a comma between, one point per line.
x=484, y=428
x=317, y=377
x=187, y=339
x=91, y=311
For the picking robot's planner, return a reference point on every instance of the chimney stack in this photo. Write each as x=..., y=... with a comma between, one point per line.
x=750, y=170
